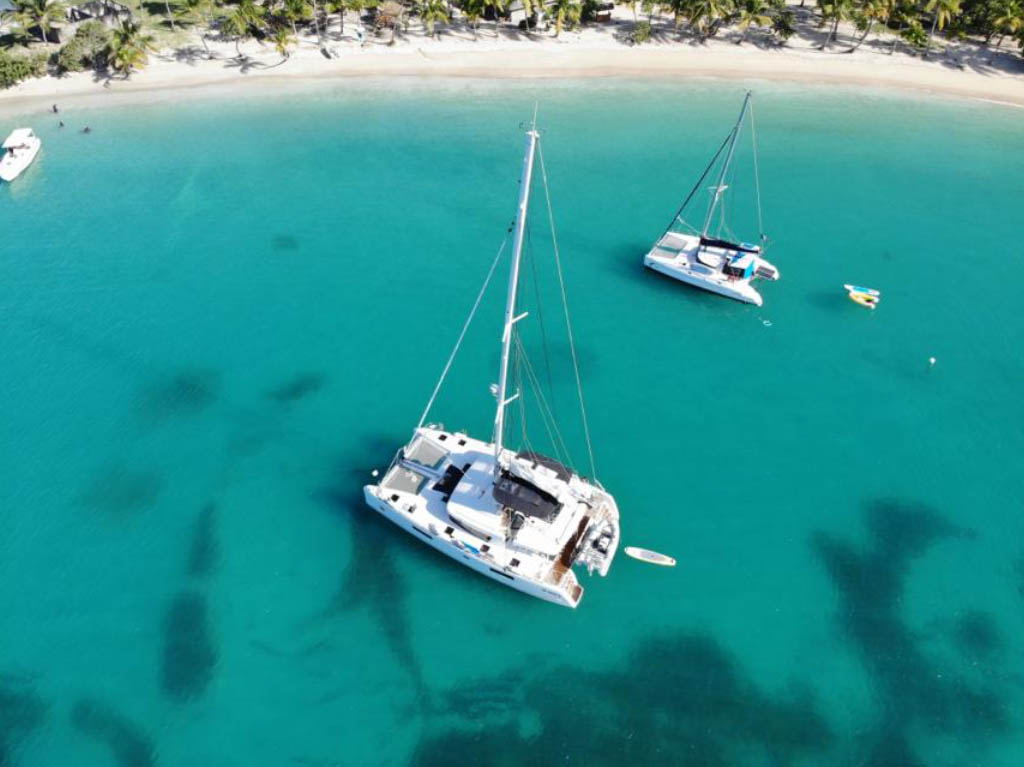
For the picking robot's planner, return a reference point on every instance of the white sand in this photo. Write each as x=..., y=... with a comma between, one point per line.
x=964, y=71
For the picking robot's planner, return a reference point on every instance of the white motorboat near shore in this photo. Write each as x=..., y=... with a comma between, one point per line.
x=516, y=516
x=710, y=260
x=20, y=149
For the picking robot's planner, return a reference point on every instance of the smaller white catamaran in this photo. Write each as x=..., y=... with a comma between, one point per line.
x=710, y=258
x=515, y=516
x=20, y=149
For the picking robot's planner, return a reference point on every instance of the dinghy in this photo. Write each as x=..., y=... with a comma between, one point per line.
x=20, y=149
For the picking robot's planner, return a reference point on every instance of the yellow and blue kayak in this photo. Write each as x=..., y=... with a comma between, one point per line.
x=868, y=297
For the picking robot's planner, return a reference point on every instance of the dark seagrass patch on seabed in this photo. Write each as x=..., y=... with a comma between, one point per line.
x=916, y=695
x=285, y=242
x=297, y=388
x=677, y=699
x=977, y=635
x=189, y=653
x=122, y=491
x=372, y=581
x=185, y=393
x=129, y=745
x=205, y=548
x=21, y=712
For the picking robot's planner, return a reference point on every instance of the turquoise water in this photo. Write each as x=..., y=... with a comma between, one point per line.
x=219, y=316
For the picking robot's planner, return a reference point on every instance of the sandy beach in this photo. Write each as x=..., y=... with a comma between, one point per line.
x=962, y=70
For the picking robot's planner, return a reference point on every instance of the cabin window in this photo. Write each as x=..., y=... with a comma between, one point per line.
x=514, y=563
x=394, y=496
x=462, y=442
x=449, y=530
x=485, y=548
x=442, y=437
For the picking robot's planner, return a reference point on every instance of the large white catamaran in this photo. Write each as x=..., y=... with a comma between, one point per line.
x=710, y=258
x=518, y=517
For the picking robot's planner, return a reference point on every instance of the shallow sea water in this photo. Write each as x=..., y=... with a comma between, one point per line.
x=219, y=316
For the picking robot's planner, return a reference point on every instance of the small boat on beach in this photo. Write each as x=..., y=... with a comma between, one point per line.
x=514, y=515
x=710, y=258
x=20, y=149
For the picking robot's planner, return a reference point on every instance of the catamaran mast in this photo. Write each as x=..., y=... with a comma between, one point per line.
x=720, y=186
x=513, y=285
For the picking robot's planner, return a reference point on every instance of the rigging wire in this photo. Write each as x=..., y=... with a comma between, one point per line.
x=565, y=307
x=547, y=416
x=696, y=186
x=757, y=175
x=540, y=313
x=465, y=327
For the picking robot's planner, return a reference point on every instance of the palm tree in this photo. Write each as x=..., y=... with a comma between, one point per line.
x=38, y=14
x=1008, y=20
x=499, y=7
x=433, y=11
x=241, y=20
x=872, y=11
x=170, y=15
x=281, y=40
x=566, y=11
x=129, y=47
x=340, y=6
x=199, y=13
x=474, y=10
x=834, y=11
x=943, y=10
x=706, y=15
x=294, y=11
x=753, y=12
x=679, y=9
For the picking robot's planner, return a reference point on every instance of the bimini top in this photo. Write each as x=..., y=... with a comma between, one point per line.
x=519, y=495
x=19, y=137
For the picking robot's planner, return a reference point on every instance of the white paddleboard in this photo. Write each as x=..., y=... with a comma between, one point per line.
x=653, y=557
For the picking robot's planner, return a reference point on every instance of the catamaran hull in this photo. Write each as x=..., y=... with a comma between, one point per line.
x=443, y=545
x=739, y=291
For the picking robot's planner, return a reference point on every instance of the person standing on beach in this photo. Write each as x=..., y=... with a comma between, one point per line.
x=55, y=110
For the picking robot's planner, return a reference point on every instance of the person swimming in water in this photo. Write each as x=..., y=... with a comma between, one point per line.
x=86, y=129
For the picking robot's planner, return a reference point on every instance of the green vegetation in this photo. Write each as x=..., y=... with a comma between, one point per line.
x=129, y=48
x=280, y=24
x=86, y=50
x=14, y=69
x=641, y=33
x=38, y=16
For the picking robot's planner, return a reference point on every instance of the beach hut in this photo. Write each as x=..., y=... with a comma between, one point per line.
x=390, y=15
x=107, y=11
